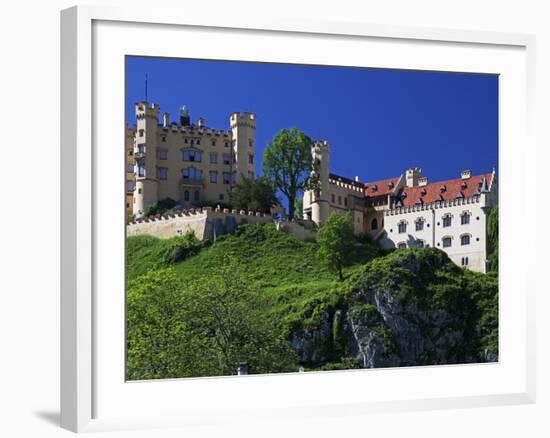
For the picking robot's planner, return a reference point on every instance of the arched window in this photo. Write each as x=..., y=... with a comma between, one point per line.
x=197, y=195
x=465, y=239
x=374, y=224
x=402, y=227
x=186, y=195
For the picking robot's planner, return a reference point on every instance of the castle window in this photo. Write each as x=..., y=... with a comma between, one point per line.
x=226, y=144
x=213, y=142
x=141, y=132
x=198, y=141
x=465, y=261
x=163, y=173
x=374, y=224
x=130, y=152
x=192, y=155
x=163, y=154
x=227, y=177
x=213, y=158
x=401, y=245
x=339, y=200
x=141, y=148
x=130, y=168
x=447, y=220
x=447, y=241
x=333, y=198
x=141, y=169
x=465, y=218
x=250, y=159
x=465, y=239
x=197, y=195
x=186, y=195
x=221, y=197
x=346, y=202
x=130, y=186
x=419, y=224
x=213, y=176
x=163, y=139
x=139, y=191
x=402, y=227
x=250, y=142
x=191, y=173
x=186, y=141
x=226, y=159
x=192, y=141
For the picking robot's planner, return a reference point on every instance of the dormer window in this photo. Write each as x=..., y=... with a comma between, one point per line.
x=390, y=184
x=460, y=195
x=419, y=202
x=443, y=188
x=464, y=185
x=374, y=188
x=423, y=192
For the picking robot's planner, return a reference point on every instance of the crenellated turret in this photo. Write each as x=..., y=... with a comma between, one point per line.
x=243, y=128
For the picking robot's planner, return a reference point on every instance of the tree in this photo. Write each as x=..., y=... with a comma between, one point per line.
x=492, y=237
x=299, y=208
x=160, y=207
x=336, y=243
x=206, y=327
x=288, y=164
x=253, y=195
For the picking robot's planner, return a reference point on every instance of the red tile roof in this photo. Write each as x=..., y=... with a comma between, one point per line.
x=380, y=188
x=431, y=192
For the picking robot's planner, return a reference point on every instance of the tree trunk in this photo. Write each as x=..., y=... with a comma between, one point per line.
x=291, y=201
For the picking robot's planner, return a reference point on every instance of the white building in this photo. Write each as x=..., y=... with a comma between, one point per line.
x=408, y=211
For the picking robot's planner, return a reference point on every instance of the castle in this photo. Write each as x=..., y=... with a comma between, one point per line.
x=408, y=211
x=197, y=166
x=190, y=163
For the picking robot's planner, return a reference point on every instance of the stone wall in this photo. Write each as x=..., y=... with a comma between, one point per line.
x=208, y=223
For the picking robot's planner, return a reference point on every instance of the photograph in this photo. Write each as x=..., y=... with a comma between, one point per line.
x=296, y=218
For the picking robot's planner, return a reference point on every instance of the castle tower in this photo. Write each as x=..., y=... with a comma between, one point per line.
x=319, y=201
x=243, y=128
x=145, y=155
x=412, y=176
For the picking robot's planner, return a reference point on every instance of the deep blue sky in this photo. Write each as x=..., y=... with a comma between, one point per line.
x=378, y=122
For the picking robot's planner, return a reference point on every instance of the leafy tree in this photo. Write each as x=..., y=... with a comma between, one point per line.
x=235, y=325
x=253, y=195
x=288, y=164
x=160, y=207
x=299, y=208
x=336, y=243
x=206, y=327
x=492, y=236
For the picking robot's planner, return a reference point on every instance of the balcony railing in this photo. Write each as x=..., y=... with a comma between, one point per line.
x=192, y=181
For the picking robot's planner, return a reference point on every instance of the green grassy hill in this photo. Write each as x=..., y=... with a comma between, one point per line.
x=292, y=299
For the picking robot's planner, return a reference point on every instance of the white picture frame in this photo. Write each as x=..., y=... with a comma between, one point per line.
x=85, y=352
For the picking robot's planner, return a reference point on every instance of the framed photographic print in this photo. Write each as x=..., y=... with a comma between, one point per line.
x=279, y=218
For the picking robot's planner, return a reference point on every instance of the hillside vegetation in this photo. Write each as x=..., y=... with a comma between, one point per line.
x=262, y=297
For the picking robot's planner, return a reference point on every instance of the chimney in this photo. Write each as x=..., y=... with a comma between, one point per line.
x=412, y=175
x=201, y=122
x=423, y=181
x=166, y=120
x=356, y=179
x=466, y=174
x=185, y=120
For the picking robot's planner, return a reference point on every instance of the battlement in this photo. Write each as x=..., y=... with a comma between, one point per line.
x=210, y=223
x=242, y=119
x=144, y=110
x=432, y=206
